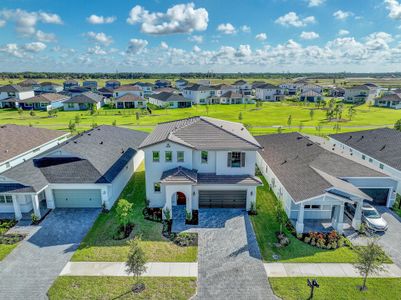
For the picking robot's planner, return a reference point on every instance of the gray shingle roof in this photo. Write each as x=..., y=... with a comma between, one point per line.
x=198, y=87
x=267, y=86
x=129, y=98
x=383, y=144
x=45, y=98
x=294, y=159
x=14, y=88
x=179, y=175
x=212, y=178
x=310, y=93
x=169, y=97
x=231, y=95
x=87, y=97
x=203, y=133
x=390, y=97
x=358, y=87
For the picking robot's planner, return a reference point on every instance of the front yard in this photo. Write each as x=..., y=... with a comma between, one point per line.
x=291, y=288
x=99, y=245
x=6, y=244
x=74, y=287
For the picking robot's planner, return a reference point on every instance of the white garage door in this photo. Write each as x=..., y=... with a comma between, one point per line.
x=77, y=198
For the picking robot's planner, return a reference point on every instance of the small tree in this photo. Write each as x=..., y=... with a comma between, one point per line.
x=20, y=112
x=289, y=121
x=370, y=261
x=397, y=125
x=71, y=126
x=137, y=116
x=312, y=114
x=77, y=119
x=281, y=216
x=351, y=112
x=300, y=126
x=240, y=116
x=136, y=261
x=94, y=125
x=123, y=212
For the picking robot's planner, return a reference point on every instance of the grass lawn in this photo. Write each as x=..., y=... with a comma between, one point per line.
x=99, y=245
x=75, y=287
x=397, y=206
x=6, y=250
x=265, y=226
x=337, y=288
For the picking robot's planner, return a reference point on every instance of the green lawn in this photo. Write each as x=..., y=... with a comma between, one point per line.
x=75, y=287
x=6, y=250
x=337, y=288
x=99, y=245
x=397, y=205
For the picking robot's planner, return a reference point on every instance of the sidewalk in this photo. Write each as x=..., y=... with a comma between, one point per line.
x=118, y=269
x=323, y=270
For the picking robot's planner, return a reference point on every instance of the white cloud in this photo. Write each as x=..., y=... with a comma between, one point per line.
x=309, y=35
x=163, y=45
x=45, y=37
x=313, y=3
x=342, y=15
x=181, y=18
x=2, y=23
x=292, y=19
x=50, y=18
x=196, y=39
x=136, y=46
x=97, y=50
x=245, y=28
x=261, y=36
x=394, y=8
x=378, y=41
x=100, y=37
x=94, y=19
x=34, y=47
x=227, y=28
x=343, y=32
x=196, y=49
x=12, y=49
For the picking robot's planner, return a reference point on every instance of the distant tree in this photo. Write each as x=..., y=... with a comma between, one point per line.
x=71, y=126
x=114, y=123
x=289, y=121
x=32, y=113
x=77, y=119
x=20, y=112
x=300, y=126
x=240, y=116
x=351, y=112
x=94, y=125
x=136, y=262
x=311, y=114
x=123, y=210
x=397, y=125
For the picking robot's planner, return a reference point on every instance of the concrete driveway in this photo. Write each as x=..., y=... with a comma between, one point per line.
x=29, y=271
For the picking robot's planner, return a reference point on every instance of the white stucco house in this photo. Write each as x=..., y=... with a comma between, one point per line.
x=11, y=94
x=46, y=101
x=389, y=101
x=130, y=101
x=376, y=148
x=360, y=94
x=50, y=87
x=170, y=100
x=243, y=87
x=88, y=170
x=84, y=101
x=200, y=162
x=199, y=94
x=128, y=89
x=314, y=184
x=269, y=92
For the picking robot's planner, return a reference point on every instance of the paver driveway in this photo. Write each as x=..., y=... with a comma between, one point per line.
x=229, y=261
x=29, y=271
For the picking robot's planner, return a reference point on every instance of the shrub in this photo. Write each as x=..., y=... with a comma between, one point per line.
x=185, y=239
x=123, y=212
x=307, y=239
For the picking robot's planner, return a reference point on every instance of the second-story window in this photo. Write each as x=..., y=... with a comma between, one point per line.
x=235, y=159
x=168, y=156
x=204, y=157
x=156, y=156
x=180, y=156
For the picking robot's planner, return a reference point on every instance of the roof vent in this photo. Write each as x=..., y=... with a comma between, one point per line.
x=299, y=137
x=383, y=148
x=309, y=144
x=284, y=162
x=89, y=134
x=75, y=142
x=101, y=143
x=122, y=150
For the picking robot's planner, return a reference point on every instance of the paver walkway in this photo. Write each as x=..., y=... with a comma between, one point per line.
x=30, y=269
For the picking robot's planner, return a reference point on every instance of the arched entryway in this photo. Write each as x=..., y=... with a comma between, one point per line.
x=181, y=199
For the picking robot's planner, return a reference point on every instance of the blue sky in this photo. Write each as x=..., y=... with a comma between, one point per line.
x=219, y=36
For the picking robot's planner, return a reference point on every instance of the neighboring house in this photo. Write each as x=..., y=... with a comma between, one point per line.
x=166, y=90
x=359, y=94
x=128, y=89
x=30, y=83
x=68, y=84
x=24, y=142
x=130, y=101
x=162, y=83
x=289, y=88
x=11, y=94
x=311, y=87
x=46, y=101
x=337, y=92
x=200, y=162
x=242, y=87
x=170, y=100
x=112, y=84
x=181, y=83
x=389, y=101
x=300, y=83
x=314, y=184
x=310, y=96
x=89, y=170
x=205, y=82
x=231, y=97
x=146, y=87
x=199, y=94
x=269, y=92
x=256, y=84
x=84, y=101
x=77, y=90
x=376, y=148
x=221, y=89
x=106, y=92
x=50, y=87
x=90, y=84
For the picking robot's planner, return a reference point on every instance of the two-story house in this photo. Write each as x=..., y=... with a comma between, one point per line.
x=70, y=84
x=359, y=94
x=90, y=84
x=289, y=88
x=269, y=92
x=243, y=87
x=199, y=94
x=128, y=89
x=200, y=162
x=10, y=95
x=112, y=84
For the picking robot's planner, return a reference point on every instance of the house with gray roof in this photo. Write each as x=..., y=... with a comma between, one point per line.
x=112, y=84
x=68, y=84
x=11, y=94
x=170, y=100
x=359, y=94
x=50, y=87
x=199, y=94
x=314, y=184
x=269, y=92
x=392, y=100
x=200, y=162
x=310, y=96
x=46, y=101
x=84, y=101
x=88, y=170
x=376, y=148
x=130, y=101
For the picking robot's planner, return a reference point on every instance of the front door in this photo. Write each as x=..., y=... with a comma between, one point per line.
x=181, y=199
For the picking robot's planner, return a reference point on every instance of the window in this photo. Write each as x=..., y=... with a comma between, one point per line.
x=180, y=156
x=140, y=103
x=168, y=156
x=204, y=157
x=70, y=105
x=156, y=156
x=6, y=199
x=156, y=187
x=171, y=104
x=381, y=166
x=370, y=160
x=363, y=157
x=235, y=159
x=312, y=206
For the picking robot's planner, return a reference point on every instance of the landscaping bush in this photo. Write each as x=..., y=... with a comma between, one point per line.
x=10, y=239
x=6, y=224
x=331, y=240
x=194, y=220
x=185, y=239
x=152, y=214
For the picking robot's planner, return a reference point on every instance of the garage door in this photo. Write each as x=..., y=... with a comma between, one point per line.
x=77, y=198
x=222, y=199
x=379, y=195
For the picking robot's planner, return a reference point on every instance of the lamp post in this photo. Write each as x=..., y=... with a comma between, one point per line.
x=312, y=284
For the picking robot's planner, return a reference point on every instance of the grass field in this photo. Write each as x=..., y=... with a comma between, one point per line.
x=74, y=287
x=337, y=288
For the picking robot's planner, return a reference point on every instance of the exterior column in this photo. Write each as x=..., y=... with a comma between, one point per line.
x=189, y=203
x=49, y=199
x=35, y=203
x=105, y=198
x=168, y=205
x=299, y=227
x=338, y=226
x=356, y=221
x=17, y=208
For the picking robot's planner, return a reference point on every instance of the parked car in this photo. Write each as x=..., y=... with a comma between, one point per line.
x=370, y=216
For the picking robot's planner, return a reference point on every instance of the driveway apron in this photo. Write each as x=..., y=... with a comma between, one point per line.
x=29, y=271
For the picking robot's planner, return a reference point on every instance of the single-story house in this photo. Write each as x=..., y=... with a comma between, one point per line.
x=76, y=90
x=46, y=101
x=231, y=97
x=84, y=101
x=389, y=101
x=171, y=100
x=310, y=96
x=311, y=87
x=314, y=184
x=50, y=87
x=130, y=101
x=89, y=170
x=376, y=148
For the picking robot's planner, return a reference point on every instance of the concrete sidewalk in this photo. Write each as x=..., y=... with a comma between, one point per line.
x=323, y=270
x=118, y=269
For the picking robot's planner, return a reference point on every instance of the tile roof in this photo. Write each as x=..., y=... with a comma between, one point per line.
x=179, y=175
x=383, y=144
x=14, y=88
x=47, y=97
x=296, y=161
x=203, y=133
x=28, y=82
x=87, y=97
x=212, y=178
x=310, y=93
x=129, y=98
x=169, y=97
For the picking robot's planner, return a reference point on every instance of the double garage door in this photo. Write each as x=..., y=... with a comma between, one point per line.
x=77, y=198
x=222, y=199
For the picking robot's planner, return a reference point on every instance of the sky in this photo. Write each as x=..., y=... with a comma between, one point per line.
x=200, y=36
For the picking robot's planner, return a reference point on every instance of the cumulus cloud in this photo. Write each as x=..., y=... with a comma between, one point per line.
x=95, y=19
x=2, y=23
x=12, y=49
x=313, y=3
x=309, y=35
x=196, y=39
x=136, y=46
x=226, y=28
x=378, y=41
x=181, y=18
x=34, y=47
x=21, y=51
x=97, y=50
x=45, y=37
x=394, y=8
x=342, y=15
x=343, y=32
x=292, y=19
x=100, y=37
x=196, y=49
x=164, y=45
x=261, y=36
x=245, y=28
